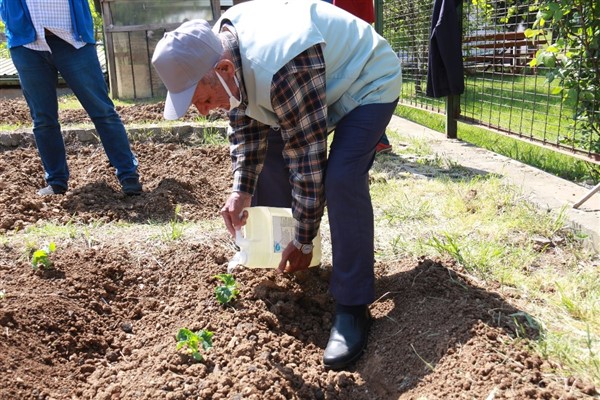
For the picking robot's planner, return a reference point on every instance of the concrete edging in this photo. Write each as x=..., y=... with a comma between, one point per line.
x=184, y=133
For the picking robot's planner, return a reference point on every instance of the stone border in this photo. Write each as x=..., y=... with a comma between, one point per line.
x=188, y=134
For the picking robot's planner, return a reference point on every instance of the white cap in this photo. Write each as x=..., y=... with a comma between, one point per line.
x=181, y=58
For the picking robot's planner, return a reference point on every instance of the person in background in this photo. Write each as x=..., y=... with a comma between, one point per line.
x=364, y=10
x=295, y=75
x=48, y=37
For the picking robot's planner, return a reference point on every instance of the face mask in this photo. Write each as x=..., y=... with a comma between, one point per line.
x=233, y=102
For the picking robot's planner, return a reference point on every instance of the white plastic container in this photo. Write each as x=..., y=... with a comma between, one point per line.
x=267, y=232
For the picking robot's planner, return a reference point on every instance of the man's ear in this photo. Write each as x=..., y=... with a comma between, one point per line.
x=226, y=67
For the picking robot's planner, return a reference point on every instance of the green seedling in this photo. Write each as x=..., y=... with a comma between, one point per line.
x=176, y=226
x=40, y=257
x=228, y=291
x=191, y=342
x=2, y=294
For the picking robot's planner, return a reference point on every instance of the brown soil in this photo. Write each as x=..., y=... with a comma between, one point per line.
x=101, y=324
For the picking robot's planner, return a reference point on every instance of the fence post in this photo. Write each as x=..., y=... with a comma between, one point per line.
x=453, y=100
x=379, y=16
x=452, y=111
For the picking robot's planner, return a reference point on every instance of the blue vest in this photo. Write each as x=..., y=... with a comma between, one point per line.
x=361, y=67
x=20, y=30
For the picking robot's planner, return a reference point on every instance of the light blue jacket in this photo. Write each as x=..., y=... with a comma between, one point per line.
x=361, y=67
x=20, y=30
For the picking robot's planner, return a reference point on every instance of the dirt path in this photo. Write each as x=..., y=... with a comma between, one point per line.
x=102, y=323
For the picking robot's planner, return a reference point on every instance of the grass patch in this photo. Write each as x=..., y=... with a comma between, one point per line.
x=558, y=164
x=175, y=228
x=428, y=206
x=12, y=127
x=521, y=104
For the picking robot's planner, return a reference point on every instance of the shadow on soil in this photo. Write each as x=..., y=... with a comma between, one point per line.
x=422, y=315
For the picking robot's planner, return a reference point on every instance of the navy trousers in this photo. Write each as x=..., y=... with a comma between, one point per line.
x=348, y=198
x=38, y=73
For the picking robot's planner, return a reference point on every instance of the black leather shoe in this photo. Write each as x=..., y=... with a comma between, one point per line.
x=131, y=186
x=348, y=337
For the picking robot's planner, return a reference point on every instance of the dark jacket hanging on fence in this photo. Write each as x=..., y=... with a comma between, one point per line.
x=445, y=67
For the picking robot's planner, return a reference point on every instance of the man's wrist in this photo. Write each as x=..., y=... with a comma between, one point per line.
x=304, y=248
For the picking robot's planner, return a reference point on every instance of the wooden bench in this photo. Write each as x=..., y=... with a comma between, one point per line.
x=510, y=51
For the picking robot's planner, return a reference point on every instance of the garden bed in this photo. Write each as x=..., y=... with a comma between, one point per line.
x=101, y=323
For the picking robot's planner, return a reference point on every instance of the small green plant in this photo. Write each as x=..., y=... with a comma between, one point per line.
x=191, y=341
x=175, y=229
x=449, y=245
x=40, y=257
x=2, y=294
x=228, y=291
x=212, y=135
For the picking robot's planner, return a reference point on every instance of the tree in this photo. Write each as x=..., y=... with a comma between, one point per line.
x=572, y=28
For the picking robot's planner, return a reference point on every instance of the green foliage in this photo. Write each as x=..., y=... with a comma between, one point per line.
x=407, y=29
x=449, y=245
x=191, y=342
x=228, y=291
x=175, y=229
x=97, y=18
x=41, y=259
x=212, y=135
x=572, y=56
x=2, y=294
x=509, y=13
x=2, y=44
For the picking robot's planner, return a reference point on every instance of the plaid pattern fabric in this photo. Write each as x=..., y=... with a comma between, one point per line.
x=298, y=99
x=55, y=16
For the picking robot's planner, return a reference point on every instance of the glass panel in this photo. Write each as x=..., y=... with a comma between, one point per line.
x=143, y=12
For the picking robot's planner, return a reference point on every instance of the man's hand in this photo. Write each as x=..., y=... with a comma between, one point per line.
x=298, y=261
x=232, y=211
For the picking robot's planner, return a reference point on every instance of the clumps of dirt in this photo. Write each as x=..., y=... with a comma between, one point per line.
x=196, y=180
x=16, y=112
x=101, y=323
x=142, y=113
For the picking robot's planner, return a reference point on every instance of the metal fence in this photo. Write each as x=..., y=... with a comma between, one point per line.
x=502, y=90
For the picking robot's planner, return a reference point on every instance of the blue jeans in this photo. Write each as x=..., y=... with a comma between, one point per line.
x=80, y=68
x=349, y=207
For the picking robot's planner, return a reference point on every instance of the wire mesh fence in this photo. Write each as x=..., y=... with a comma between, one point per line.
x=503, y=90
x=406, y=25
